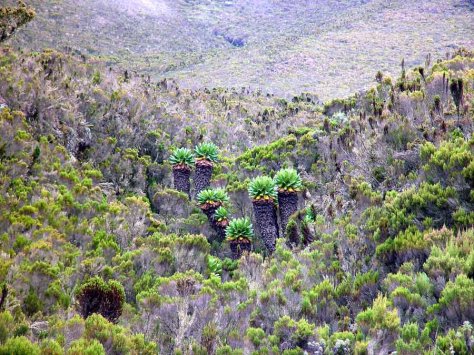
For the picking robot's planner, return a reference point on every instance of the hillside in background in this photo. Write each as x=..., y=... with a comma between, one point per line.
x=329, y=48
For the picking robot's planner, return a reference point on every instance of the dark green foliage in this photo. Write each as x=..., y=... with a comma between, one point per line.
x=98, y=296
x=32, y=303
x=457, y=301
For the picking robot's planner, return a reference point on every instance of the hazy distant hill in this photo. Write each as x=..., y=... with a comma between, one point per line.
x=283, y=47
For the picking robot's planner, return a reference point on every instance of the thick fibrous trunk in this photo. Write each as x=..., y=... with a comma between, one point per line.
x=308, y=236
x=265, y=215
x=181, y=179
x=202, y=178
x=209, y=211
x=220, y=228
x=288, y=204
x=292, y=235
x=238, y=247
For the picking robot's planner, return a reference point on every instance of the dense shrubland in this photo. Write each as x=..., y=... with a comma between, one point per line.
x=363, y=212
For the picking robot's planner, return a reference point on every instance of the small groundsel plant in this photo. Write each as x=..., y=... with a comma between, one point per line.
x=182, y=157
x=239, y=229
x=212, y=197
x=215, y=265
x=221, y=214
x=207, y=151
x=310, y=216
x=262, y=188
x=288, y=180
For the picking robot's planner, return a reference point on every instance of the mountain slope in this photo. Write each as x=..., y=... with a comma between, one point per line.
x=383, y=237
x=280, y=47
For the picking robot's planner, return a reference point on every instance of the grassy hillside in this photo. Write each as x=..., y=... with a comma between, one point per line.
x=377, y=258
x=329, y=48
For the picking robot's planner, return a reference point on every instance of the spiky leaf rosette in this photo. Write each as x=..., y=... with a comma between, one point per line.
x=215, y=265
x=182, y=157
x=207, y=151
x=212, y=197
x=288, y=180
x=238, y=229
x=221, y=214
x=262, y=188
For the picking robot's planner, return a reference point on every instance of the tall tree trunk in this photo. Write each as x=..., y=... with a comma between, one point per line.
x=288, y=204
x=181, y=177
x=202, y=177
x=266, y=217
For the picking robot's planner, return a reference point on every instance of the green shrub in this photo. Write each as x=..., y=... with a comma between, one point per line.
x=256, y=336
x=409, y=341
x=51, y=347
x=32, y=303
x=379, y=316
x=86, y=347
x=457, y=300
x=7, y=324
x=19, y=346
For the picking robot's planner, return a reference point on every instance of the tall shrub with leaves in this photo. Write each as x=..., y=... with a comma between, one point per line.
x=239, y=234
x=182, y=160
x=288, y=183
x=263, y=192
x=207, y=154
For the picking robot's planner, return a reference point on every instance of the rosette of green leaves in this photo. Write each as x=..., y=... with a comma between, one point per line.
x=182, y=156
x=288, y=180
x=262, y=188
x=212, y=196
x=239, y=228
x=207, y=151
x=215, y=265
x=221, y=214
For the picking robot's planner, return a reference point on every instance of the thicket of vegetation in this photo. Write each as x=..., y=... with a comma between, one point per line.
x=363, y=212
